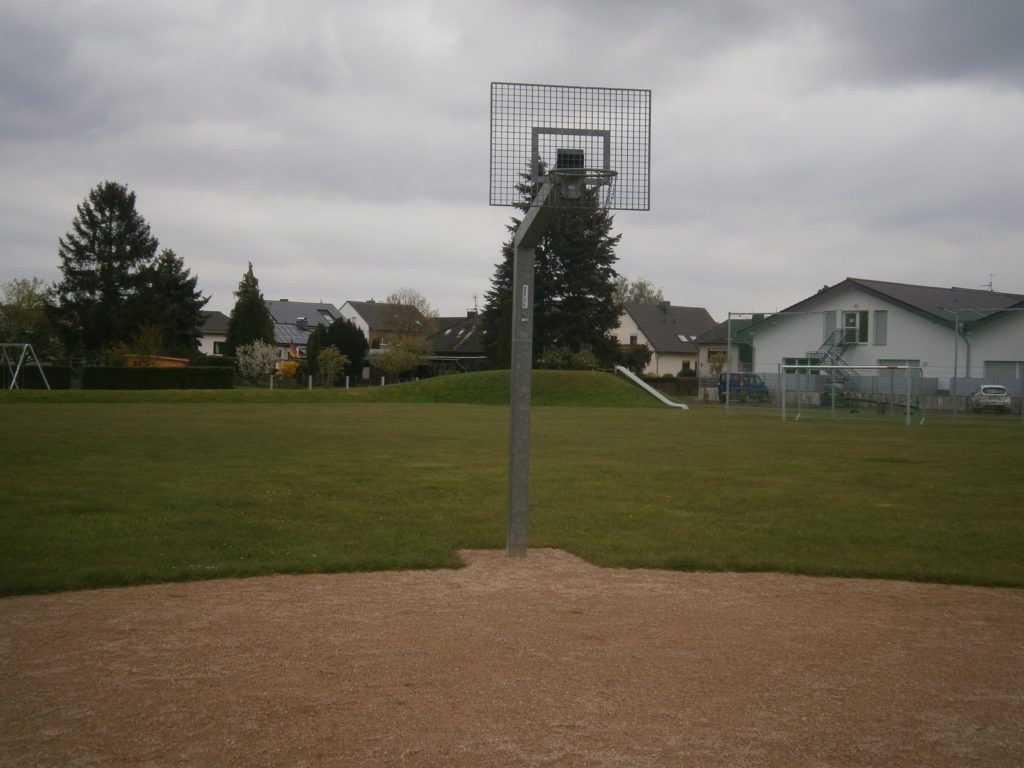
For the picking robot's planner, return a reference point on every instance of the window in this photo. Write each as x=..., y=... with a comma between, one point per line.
x=855, y=327
x=881, y=327
x=632, y=339
x=218, y=347
x=1003, y=370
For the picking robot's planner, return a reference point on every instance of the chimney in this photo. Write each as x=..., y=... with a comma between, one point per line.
x=301, y=324
x=665, y=306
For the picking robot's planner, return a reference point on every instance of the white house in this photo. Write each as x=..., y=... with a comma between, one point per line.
x=871, y=322
x=669, y=332
x=213, y=332
x=380, y=321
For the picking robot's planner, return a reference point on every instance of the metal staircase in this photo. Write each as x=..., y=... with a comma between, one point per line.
x=830, y=353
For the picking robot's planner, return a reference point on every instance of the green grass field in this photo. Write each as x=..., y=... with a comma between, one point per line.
x=109, y=488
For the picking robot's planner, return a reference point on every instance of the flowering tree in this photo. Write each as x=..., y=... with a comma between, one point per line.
x=256, y=359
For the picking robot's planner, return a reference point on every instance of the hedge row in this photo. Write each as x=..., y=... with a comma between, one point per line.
x=58, y=377
x=193, y=377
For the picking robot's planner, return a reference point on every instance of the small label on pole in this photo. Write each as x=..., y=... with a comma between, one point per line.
x=526, y=296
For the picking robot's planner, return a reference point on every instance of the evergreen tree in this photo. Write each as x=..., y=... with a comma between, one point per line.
x=574, y=286
x=171, y=302
x=343, y=335
x=250, y=319
x=104, y=260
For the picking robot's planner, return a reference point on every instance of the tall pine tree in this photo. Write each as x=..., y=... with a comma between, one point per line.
x=250, y=319
x=574, y=286
x=104, y=260
x=172, y=303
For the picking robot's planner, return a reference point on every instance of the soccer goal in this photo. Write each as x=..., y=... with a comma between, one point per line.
x=870, y=389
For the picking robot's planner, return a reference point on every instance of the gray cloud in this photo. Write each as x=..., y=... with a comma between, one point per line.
x=928, y=40
x=342, y=147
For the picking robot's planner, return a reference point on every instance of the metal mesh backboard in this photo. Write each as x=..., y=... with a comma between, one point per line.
x=539, y=127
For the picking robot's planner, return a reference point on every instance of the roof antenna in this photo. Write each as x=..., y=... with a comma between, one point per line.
x=990, y=281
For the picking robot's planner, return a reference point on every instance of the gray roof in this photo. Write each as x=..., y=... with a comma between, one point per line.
x=936, y=303
x=315, y=313
x=668, y=328
x=213, y=322
x=295, y=320
x=720, y=333
x=459, y=336
x=386, y=317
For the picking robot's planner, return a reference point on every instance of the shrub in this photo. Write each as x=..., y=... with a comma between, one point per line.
x=330, y=362
x=210, y=361
x=635, y=357
x=286, y=369
x=564, y=358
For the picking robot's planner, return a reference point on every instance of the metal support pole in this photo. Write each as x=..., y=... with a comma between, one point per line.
x=728, y=359
x=956, y=360
x=782, y=390
x=521, y=392
x=527, y=236
x=910, y=381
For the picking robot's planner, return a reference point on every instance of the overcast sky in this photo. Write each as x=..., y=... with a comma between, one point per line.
x=342, y=147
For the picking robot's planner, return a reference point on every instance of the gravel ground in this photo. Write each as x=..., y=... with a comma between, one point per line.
x=545, y=661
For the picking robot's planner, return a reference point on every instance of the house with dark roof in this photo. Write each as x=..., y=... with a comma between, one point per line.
x=381, y=322
x=953, y=334
x=729, y=334
x=458, y=344
x=669, y=332
x=294, y=321
x=213, y=332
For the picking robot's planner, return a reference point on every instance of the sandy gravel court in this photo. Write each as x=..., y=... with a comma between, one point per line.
x=545, y=661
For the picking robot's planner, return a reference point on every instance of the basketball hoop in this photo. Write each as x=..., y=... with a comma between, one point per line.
x=572, y=186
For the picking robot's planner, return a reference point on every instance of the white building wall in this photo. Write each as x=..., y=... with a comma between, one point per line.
x=627, y=328
x=1001, y=340
x=908, y=336
x=349, y=313
x=206, y=342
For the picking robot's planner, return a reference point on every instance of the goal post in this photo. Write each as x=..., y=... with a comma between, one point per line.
x=841, y=381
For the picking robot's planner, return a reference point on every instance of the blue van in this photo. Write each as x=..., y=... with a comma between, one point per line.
x=742, y=387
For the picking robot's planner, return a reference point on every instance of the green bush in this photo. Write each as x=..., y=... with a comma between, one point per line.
x=564, y=358
x=194, y=377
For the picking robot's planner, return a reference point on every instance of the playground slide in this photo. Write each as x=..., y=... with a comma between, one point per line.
x=643, y=384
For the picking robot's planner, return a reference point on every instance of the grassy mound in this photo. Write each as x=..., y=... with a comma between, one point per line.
x=550, y=388
x=576, y=388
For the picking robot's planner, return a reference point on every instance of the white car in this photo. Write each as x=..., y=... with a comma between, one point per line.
x=990, y=397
